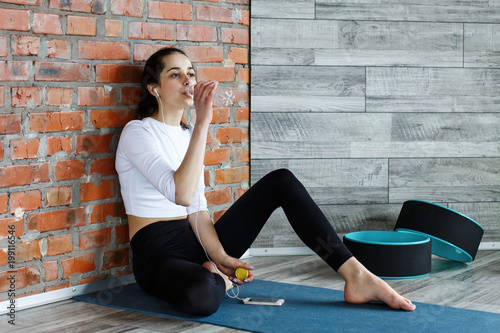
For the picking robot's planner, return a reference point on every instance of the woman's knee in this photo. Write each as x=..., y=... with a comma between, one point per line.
x=205, y=297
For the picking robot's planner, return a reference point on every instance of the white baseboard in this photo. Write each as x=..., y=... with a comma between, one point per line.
x=116, y=283
x=27, y=302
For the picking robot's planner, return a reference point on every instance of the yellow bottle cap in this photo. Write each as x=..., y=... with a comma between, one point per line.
x=241, y=273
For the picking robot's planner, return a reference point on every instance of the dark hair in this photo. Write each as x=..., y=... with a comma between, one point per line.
x=148, y=104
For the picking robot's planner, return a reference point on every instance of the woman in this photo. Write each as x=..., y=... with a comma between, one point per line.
x=160, y=166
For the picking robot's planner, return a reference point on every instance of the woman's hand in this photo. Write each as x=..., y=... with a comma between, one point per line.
x=203, y=94
x=228, y=266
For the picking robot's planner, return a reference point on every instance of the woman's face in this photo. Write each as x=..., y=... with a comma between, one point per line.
x=177, y=75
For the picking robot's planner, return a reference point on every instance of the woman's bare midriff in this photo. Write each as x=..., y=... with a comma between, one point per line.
x=135, y=223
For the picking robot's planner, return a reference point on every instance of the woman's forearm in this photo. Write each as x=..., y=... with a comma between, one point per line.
x=202, y=225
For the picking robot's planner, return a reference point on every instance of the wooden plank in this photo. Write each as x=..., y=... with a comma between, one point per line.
x=444, y=180
x=365, y=43
x=301, y=9
x=281, y=56
x=374, y=135
x=404, y=10
x=334, y=181
x=304, y=88
x=432, y=90
x=314, y=135
x=482, y=45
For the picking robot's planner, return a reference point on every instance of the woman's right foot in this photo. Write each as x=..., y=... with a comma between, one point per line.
x=362, y=286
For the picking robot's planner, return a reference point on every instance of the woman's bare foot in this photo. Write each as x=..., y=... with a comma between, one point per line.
x=211, y=267
x=361, y=286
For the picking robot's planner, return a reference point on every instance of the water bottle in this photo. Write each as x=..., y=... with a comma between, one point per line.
x=223, y=97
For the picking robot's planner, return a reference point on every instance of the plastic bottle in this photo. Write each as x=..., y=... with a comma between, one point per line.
x=223, y=97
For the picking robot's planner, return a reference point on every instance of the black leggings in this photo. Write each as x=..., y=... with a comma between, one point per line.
x=167, y=257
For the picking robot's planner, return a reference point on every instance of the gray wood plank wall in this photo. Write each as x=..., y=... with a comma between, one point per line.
x=375, y=102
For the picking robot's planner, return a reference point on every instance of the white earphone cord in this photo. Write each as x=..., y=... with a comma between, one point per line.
x=234, y=295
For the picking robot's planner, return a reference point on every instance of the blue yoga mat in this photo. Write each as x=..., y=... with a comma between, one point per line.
x=306, y=309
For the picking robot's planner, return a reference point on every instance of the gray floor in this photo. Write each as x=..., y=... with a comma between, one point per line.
x=471, y=286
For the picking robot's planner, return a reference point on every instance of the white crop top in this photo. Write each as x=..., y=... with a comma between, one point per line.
x=148, y=154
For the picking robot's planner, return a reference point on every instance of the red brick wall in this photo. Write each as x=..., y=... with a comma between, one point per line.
x=68, y=84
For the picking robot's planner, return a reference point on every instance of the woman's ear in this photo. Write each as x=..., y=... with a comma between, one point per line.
x=153, y=90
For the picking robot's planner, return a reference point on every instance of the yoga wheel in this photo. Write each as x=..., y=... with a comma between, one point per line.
x=391, y=254
x=453, y=235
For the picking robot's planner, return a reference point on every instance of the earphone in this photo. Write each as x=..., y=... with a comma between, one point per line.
x=156, y=92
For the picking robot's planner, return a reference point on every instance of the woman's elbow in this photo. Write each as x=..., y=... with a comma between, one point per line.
x=183, y=200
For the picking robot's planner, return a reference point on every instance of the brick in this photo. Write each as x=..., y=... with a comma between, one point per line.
x=26, y=96
x=10, y=123
x=238, y=193
x=235, y=36
x=220, y=74
x=242, y=114
x=49, y=24
x=18, y=175
x=1, y=151
x=231, y=134
x=81, y=25
x=93, y=144
x=244, y=17
x=130, y=95
x=14, y=19
x=94, y=238
x=58, y=287
x=239, y=2
x=58, y=48
x=127, y=8
x=28, y=251
x=57, y=144
x=91, y=191
x=103, y=50
x=87, y=6
x=218, y=214
x=56, y=121
x=101, y=211
x=59, y=244
x=69, y=169
x=143, y=51
x=59, y=96
x=51, y=270
x=241, y=155
x=220, y=115
x=4, y=205
x=103, y=166
x=112, y=73
x=216, y=156
x=96, y=96
x=56, y=220
x=81, y=264
x=121, y=234
x=93, y=279
x=111, y=118
x=196, y=33
x=238, y=55
x=58, y=196
x=231, y=176
x=114, y=28
x=25, y=201
x=61, y=71
x=25, y=276
x=214, y=14
x=115, y=258
x=25, y=45
x=14, y=71
x=244, y=75
x=12, y=225
x=148, y=30
x=218, y=197
x=205, y=53
x=3, y=46
x=170, y=11
x=23, y=149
